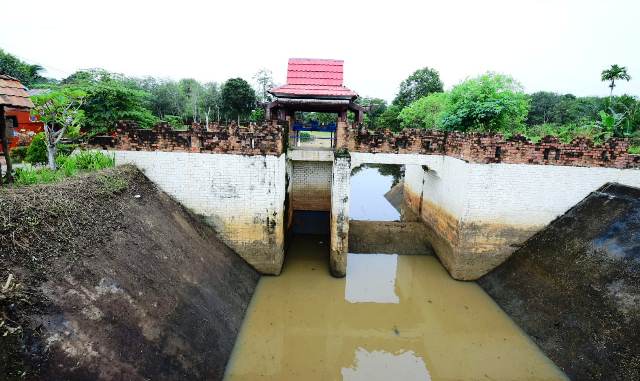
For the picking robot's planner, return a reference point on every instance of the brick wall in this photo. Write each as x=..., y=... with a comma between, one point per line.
x=311, y=185
x=266, y=139
x=488, y=148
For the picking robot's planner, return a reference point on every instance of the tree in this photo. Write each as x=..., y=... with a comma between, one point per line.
x=426, y=112
x=264, y=80
x=375, y=108
x=111, y=97
x=166, y=98
x=419, y=84
x=192, y=91
x=389, y=118
x=491, y=102
x=238, y=98
x=543, y=104
x=612, y=74
x=26, y=73
x=59, y=111
x=211, y=101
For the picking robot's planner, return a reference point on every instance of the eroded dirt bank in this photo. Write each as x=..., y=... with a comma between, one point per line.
x=105, y=277
x=575, y=287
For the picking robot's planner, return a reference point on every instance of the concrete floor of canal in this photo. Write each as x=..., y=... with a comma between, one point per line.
x=392, y=318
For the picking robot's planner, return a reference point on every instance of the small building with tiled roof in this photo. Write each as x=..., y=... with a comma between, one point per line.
x=313, y=85
x=13, y=93
x=14, y=96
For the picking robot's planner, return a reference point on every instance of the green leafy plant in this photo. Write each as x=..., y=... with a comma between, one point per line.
x=59, y=111
x=67, y=166
x=419, y=84
x=491, y=103
x=18, y=154
x=37, y=150
x=426, y=112
x=613, y=74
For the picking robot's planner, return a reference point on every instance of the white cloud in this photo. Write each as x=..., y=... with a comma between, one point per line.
x=552, y=45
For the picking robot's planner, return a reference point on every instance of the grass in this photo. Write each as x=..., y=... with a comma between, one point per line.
x=67, y=166
x=634, y=150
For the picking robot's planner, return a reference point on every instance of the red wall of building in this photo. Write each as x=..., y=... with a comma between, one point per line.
x=26, y=128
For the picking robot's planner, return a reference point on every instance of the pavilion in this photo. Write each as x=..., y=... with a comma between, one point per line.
x=313, y=85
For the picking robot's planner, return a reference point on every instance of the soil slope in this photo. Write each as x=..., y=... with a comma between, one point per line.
x=105, y=277
x=575, y=287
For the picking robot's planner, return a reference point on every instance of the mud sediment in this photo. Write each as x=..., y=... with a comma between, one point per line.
x=111, y=280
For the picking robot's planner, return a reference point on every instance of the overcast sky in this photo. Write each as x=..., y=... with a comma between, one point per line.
x=556, y=45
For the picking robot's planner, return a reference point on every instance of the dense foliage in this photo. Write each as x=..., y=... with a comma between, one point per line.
x=491, y=102
x=238, y=98
x=488, y=103
x=426, y=112
x=496, y=103
x=24, y=72
x=419, y=84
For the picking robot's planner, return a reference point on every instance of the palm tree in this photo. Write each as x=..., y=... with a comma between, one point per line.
x=615, y=73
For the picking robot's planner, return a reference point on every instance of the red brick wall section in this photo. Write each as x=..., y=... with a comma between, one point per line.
x=267, y=139
x=490, y=148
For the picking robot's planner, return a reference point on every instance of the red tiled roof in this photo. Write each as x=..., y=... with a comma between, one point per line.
x=13, y=93
x=314, y=77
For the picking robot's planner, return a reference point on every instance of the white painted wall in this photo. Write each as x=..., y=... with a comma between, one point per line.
x=514, y=194
x=235, y=193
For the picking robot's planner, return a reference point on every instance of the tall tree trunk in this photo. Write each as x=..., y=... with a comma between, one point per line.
x=51, y=156
x=5, y=145
x=613, y=84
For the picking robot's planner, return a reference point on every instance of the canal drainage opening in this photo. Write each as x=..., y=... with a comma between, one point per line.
x=310, y=222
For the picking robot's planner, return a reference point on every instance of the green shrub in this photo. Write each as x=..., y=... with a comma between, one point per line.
x=30, y=175
x=18, y=154
x=37, y=150
x=304, y=136
x=489, y=103
x=67, y=166
x=634, y=150
x=426, y=112
x=174, y=121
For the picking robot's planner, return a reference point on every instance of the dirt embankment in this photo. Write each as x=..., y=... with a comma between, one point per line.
x=575, y=287
x=105, y=277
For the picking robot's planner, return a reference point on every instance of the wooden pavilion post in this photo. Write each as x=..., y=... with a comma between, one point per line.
x=12, y=94
x=5, y=146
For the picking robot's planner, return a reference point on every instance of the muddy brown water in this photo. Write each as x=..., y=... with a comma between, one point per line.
x=392, y=317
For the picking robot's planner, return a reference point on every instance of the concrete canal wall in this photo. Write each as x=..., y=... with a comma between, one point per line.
x=480, y=196
x=478, y=214
x=242, y=197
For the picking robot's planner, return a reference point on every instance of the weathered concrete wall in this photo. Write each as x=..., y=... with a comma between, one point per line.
x=389, y=237
x=478, y=214
x=311, y=185
x=339, y=222
x=242, y=197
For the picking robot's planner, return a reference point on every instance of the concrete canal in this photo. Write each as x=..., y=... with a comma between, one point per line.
x=393, y=317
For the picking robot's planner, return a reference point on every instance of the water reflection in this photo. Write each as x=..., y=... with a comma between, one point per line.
x=369, y=184
x=301, y=327
x=385, y=366
x=371, y=278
